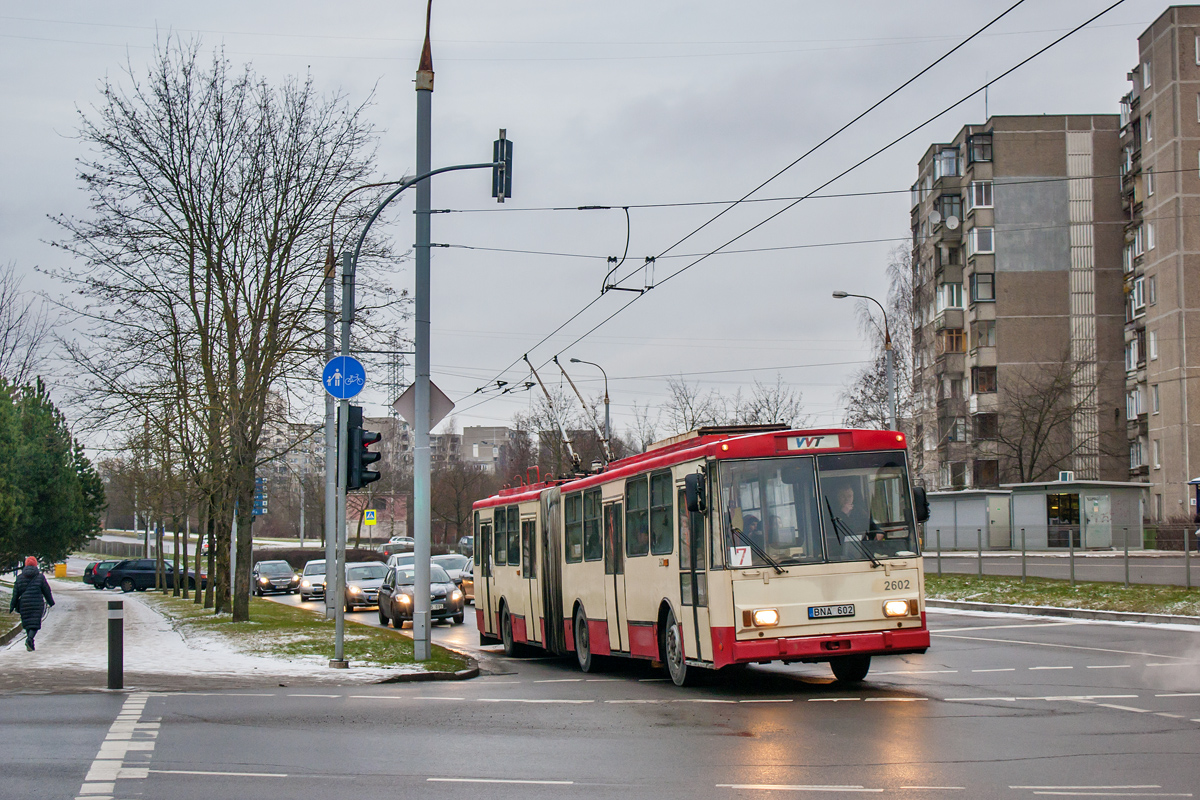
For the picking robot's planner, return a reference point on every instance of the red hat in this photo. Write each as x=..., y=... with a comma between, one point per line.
x=31, y=561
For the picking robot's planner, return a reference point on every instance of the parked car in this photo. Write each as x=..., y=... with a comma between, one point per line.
x=468, y=581
x=363, y=579
x=312, y=580
x=396, y=596
x=274, y=576
x=466, y=546
x=453, y=563
x=138, y=574
x=100, y=574
x=398, y=544
x=89, y=572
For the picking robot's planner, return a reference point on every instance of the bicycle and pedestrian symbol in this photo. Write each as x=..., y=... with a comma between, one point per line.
x=344, y=377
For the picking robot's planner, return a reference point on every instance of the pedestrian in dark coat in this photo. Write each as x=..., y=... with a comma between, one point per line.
x=31, y=595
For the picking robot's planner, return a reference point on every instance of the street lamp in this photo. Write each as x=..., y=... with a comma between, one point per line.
x=890, y=376
x=607, y=418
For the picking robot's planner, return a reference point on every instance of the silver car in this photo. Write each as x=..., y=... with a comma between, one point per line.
x=312, y=581
x=362, y=584
x=454, y=564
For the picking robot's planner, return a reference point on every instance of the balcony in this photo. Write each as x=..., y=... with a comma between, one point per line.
x=949, y=318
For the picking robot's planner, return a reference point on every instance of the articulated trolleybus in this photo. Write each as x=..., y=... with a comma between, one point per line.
x=723, y=546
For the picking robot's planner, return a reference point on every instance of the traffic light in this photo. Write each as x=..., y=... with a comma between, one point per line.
x=358, y=457
x=502, y=157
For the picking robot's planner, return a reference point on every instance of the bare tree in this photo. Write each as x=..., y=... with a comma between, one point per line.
x=776, y=403
x=25, y=327
x=687, y=408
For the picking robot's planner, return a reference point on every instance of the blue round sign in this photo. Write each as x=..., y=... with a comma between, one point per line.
x=344, y=377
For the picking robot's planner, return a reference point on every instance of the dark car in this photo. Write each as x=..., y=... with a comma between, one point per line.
x=274, y=576
x=100, y=573
x=138, y=573
x=89, y=572
x=398, y=544
x=396, y=596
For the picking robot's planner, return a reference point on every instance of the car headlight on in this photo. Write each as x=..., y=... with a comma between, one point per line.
x=295, y=577
x=305, y=585
x=353, y=589
x=264, y=580
x=765, y=617
x=456, y=595
x=895, y=608
x=403, y=598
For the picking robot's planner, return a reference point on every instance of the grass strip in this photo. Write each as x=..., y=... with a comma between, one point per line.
x=285, y=631
x=1141, y=598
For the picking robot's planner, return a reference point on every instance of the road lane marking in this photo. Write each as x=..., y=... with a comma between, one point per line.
x=625, y=702
x=941, y=788
x=782, y=700
x=1109, y=666
x=1172, y=716
x=1179, y=694
x=521, y=700
x=110, y=765
x=1033, y=668
x=779, y=787
x=219, y=774
x=1115, y=794
x=1136, y=786
x=1123, y=708
x=499, y=780
x=832, y=699
x=1063, y=646
x=312, y=695
x=701, y=700
x=560, y=680
x=1176, y=663
x=894, y=699
x=997, y=627
x=1050, y=698
x=999, y=669
x=918, y=672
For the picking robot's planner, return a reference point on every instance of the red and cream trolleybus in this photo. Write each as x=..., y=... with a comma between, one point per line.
x=722, y=546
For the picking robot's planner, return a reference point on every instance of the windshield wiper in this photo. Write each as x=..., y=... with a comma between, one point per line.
x=849, y=536
x=758, y=550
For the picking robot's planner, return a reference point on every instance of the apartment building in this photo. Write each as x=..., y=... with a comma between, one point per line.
x=1017, y=229
x=1160, y=167
x=486, y=447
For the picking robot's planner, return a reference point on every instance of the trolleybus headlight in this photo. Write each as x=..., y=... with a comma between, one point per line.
x=766, y=617
x=895, y=608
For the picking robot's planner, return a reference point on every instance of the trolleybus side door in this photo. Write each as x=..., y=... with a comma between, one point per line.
x=693, y=581
x=483, y=588
x=529, y=567
x=614, y=575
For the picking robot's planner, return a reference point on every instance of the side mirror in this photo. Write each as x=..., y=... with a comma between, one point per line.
x=921, y=503
x=694, y=491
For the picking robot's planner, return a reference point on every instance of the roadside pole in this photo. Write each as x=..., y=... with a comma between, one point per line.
x=939, y=550
x=116, y=644
x=330, y=437
x=343, y=424
x=422, y=645
x=1023, y=572
x=1071, y=545
x=1187, y=560
x=1126, y=539
x=979, y=550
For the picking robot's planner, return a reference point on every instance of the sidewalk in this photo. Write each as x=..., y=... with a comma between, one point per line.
x=72, y=653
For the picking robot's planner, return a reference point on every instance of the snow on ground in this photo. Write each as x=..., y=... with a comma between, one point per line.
x=74, y=642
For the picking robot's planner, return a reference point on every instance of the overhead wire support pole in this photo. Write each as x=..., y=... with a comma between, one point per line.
x=330, y=436
x=608, y=456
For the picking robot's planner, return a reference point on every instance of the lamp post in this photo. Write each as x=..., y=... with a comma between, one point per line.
x=607, y=418
x=890, y=376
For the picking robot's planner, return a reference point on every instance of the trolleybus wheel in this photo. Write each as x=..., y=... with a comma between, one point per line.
x=850, y=669
x=673, y=655
x=511, y=648
x=583, y=642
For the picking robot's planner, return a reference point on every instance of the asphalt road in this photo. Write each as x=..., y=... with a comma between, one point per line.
x=1157, y=569
x=1000, y=707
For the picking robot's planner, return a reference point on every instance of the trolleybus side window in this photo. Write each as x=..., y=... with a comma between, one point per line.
x=573, y=518
x=500, y=537
x=593, y=545
x=865, y=506
x=662, y=527
x=770, y=511
x=528, y=550
x=514, y=536
x=637, y=517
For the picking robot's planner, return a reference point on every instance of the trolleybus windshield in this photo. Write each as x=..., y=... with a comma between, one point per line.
x=805, y=510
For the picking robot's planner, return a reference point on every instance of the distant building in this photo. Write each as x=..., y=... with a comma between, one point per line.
x=1016, y=227
x=486, y=447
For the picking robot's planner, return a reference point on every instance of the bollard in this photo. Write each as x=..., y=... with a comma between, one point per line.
x=1071, y=545
x=979, y=550
x=1022, y=555
x=1126, y=538
x=1187, y=561
x=116, y=644
x=939, y=538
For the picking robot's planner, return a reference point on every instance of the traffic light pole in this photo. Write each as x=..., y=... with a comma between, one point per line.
x=336, y=587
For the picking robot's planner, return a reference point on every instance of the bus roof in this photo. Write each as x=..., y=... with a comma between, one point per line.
x=713, y=443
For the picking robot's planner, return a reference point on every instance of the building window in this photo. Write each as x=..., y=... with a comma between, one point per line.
x=1198, y=49
x=1133, y=404
x=979, y=147
x=1149, y=178
x=981, y=241
x=951, y=340
x=986, y=473
x=986, y=426
x=1149, y=235
x=915, y=194
x=1140, y=338
x=1155, y=449
x=983, y=287
x=954, y=429
x=1152, y=289
x=979, y=195
x=1127, y=258
x=1154, y=406
x=1147, y=75
x=1139, y=241
x=983, y=379
x=945, y=164
x=475, y=450
x=1131, y=355
x=950, y=205
x=949, y=295
x=1148, y=126
x=1137, y=297
x=984, y=333
x=1135, y=454
x=1152, y=344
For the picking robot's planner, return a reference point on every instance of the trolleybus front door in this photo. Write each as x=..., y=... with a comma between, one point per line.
x=529, y=567
x=614, y=576
x=693, y=582
x=483, y=564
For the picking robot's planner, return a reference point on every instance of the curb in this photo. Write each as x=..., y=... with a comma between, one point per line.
x=417, y=677
x=1074, y=613
x=8, y=637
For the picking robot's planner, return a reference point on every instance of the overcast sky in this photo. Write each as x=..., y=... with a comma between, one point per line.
x=613, y=103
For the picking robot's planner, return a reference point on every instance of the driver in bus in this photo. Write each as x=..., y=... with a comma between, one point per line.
x=855, y=515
